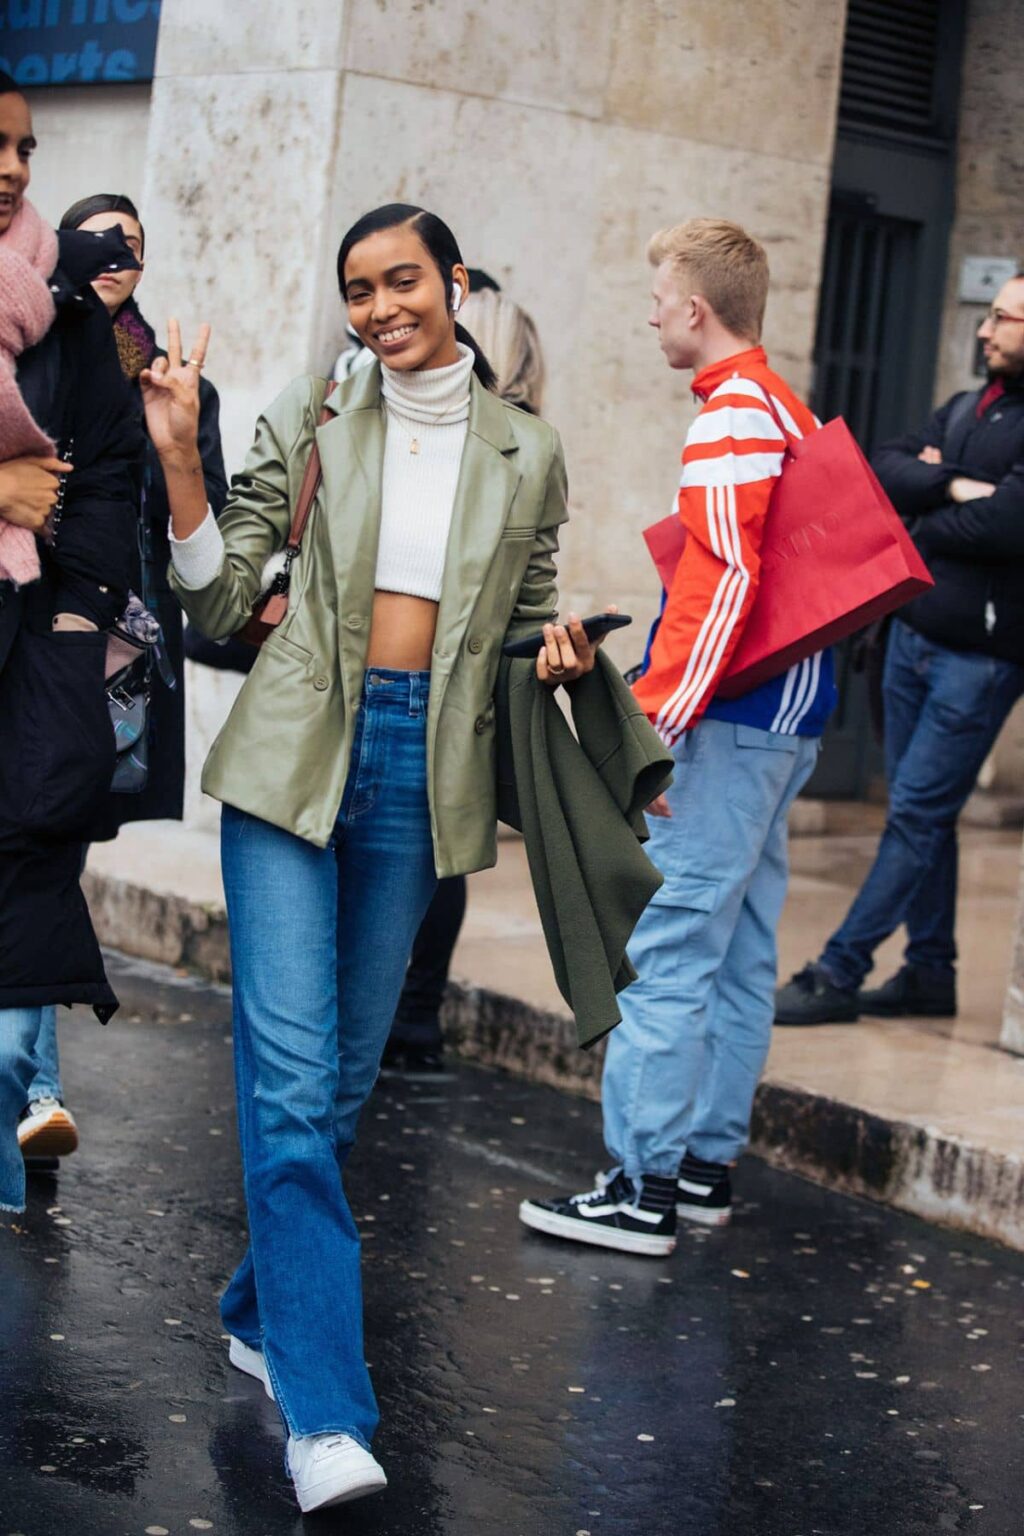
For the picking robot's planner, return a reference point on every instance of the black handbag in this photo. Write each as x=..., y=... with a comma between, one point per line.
x=129, y=692
x=135, y=646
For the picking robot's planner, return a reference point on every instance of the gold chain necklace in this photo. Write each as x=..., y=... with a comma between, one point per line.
x=414, y=442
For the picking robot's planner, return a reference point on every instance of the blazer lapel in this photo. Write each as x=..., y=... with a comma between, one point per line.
x=352, y=458
x=488, y=481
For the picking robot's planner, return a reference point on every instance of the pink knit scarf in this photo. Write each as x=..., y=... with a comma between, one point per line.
x=28, y=255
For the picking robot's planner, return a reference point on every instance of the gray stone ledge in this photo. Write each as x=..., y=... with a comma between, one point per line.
x=913, y=1168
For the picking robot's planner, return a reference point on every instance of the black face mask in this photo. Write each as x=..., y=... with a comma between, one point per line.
x=85, y=253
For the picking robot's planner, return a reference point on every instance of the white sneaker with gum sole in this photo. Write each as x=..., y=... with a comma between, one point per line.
x=47, y=1129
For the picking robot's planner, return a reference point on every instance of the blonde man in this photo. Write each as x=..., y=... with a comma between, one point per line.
x=682, y=1067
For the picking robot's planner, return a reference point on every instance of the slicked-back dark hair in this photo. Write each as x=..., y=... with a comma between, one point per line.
x=9, y=85
x=443, y=249
x=101, y=202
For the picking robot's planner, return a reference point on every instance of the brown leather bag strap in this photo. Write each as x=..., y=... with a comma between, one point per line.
x=310, y=484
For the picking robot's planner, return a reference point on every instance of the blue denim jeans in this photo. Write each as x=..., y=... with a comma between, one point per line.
x=943, y=712
x=320, y=939
x=19, y=1028
x=682, y=1067
x=46, y=1082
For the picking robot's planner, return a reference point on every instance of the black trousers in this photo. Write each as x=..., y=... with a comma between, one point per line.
x=418, y=1015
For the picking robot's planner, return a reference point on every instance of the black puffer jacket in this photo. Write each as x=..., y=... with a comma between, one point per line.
x=56, y=742
x=975, y=549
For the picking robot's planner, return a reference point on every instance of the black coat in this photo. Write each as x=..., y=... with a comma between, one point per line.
x=164, y=792
x=975, y=549
x=56, y=746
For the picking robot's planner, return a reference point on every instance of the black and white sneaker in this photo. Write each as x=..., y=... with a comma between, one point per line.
x=704, y=1192
x=634, y=1218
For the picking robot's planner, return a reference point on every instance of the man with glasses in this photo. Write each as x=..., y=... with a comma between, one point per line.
x=954, y=667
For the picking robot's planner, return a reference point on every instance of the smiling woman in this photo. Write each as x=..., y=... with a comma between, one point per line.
x=358, y=763
x=402, y=276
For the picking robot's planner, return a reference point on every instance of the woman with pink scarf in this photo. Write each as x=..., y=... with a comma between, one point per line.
x=70, y=445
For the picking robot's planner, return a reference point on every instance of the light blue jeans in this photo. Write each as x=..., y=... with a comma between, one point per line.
x=46, y=1082
x=320, y=939
x=682, y=1067
x=19, y=1028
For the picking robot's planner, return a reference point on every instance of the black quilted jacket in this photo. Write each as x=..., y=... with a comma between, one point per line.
x=974, y=550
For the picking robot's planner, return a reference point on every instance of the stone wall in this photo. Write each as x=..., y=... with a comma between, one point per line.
x=555, y=136
x=91, y=139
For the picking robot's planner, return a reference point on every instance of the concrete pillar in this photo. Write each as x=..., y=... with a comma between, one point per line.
x=1012, y=1036
x=242, y=143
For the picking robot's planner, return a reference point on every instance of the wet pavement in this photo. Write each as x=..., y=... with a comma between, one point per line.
x=822, y=1368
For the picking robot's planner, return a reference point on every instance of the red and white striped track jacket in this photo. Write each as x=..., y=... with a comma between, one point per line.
x=732, y=457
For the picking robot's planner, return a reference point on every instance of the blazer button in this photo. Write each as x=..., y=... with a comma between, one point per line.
x=321, y=682
x=476, y=645
x=354, y=621
x=479, y=725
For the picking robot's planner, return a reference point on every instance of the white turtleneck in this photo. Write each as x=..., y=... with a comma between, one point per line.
x=427, y=416
x=428, y=409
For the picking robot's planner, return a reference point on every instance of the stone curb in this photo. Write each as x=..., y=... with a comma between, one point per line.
x=915, y=1169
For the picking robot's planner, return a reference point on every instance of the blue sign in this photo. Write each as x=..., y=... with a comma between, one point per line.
x=78, y=42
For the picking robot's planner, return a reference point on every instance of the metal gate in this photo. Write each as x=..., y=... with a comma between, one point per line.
x=880, y=305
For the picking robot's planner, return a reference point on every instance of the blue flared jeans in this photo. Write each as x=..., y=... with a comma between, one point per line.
x=320, y=939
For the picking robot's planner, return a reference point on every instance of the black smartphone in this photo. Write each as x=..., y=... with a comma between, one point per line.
x=597, y=625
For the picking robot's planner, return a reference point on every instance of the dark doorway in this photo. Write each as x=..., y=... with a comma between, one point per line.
x=883, y=272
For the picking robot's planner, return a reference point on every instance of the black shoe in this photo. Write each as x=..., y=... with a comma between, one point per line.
x=703, y=1192
x=810, y=998
x=615, y=1215
x=413, y=1064
x=912, y=993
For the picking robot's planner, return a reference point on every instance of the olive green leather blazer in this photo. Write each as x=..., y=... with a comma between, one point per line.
x=283, y=753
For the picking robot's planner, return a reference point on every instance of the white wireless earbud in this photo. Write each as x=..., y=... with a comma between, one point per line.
x=456, y=298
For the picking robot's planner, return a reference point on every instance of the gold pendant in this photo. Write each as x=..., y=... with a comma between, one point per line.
x=414, y=446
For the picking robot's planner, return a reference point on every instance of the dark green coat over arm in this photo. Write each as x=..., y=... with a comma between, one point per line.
x=579, y=801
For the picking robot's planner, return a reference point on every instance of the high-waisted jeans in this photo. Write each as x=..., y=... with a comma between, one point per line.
x=320, y=939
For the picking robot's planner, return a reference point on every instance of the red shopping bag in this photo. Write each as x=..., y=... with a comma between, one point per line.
x=835, y=556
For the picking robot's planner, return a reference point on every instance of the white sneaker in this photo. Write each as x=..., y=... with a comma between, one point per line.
x=47, y=1129
x=331, y=1469
x=250, y=1361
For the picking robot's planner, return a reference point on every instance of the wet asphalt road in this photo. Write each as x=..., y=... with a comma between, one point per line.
x=823, y=1368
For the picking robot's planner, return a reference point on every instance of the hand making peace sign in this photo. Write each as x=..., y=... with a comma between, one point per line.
x=170, y=394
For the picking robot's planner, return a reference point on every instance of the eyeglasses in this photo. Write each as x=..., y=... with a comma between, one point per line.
x=997, y=316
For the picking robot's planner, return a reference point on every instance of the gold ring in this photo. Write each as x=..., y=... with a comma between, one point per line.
x=193, y=362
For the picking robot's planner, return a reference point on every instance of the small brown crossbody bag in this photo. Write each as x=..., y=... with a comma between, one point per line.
x=271, y=607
